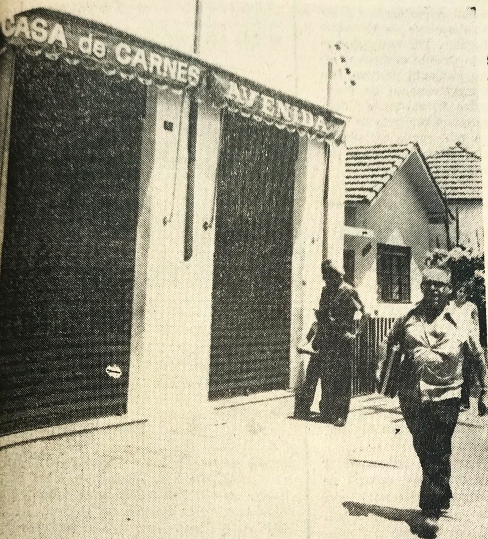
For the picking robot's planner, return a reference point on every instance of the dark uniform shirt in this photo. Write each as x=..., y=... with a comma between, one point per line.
x=335, y=315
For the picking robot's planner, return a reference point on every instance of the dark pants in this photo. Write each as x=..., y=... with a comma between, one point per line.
x=432, y=425
x=335, y=371
x=336, y=378
x=467, y=380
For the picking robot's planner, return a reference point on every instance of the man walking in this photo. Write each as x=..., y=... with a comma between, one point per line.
x=430, y=387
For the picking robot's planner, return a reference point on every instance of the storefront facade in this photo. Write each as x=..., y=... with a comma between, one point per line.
x=162, y=226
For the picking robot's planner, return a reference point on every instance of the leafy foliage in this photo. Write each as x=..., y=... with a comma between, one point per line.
x=467, y=268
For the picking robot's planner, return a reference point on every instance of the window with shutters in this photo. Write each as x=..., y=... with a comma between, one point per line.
x=393, y=273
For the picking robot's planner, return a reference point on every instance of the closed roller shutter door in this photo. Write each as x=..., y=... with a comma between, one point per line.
x=67, y=272
x=250, y=345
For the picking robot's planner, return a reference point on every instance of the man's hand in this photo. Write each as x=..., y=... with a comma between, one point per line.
x=349, y=336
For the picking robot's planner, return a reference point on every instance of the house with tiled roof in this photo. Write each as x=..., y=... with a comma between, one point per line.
x=457, y=172
x=392, y=207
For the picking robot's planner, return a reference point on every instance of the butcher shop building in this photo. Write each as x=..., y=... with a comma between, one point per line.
x=162, y=224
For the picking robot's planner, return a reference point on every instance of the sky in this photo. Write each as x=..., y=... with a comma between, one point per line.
x=415, y=64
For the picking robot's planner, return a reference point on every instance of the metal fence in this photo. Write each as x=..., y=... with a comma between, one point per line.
x=366, y=354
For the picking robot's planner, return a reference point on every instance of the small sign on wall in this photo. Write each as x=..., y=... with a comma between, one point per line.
x=114, y=371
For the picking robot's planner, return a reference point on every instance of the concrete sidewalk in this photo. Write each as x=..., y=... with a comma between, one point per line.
x=248, y=471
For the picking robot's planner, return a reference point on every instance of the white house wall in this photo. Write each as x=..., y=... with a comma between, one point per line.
x=471, y=229
x=470, y=223
x=397, y=218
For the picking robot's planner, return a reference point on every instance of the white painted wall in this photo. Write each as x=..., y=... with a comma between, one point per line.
x=169, y=373
x=471, y=232
x=397, y=217
x=172, y=316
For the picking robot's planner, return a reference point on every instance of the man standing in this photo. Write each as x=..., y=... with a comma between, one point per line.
x=334, y=342
x=430, y=387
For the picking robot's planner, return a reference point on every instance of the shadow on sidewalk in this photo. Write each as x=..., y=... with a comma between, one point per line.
x=413, y=517
x=313, y=417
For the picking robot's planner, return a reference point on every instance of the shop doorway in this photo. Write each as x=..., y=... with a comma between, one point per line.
x=250, y=344
x=67, y=271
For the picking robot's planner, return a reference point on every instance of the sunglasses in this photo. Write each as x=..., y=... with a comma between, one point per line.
x=434, y=284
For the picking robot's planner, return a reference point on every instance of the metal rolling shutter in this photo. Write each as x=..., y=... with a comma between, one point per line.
x=250, y=345
x=67, y=272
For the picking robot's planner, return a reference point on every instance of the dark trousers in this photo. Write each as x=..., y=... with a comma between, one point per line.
x=432, y=425
x=467, y=381
x=336, y=382
x=334, y=370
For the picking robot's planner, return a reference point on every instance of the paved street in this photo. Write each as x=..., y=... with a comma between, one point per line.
x=249, y=471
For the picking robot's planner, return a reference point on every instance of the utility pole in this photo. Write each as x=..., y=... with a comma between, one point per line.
x=192, y=145
x=338, y=71
x=446, y=222
x=457, y=226
x=198, y=24
x=329, y=82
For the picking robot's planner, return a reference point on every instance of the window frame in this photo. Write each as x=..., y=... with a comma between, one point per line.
x=393, y=262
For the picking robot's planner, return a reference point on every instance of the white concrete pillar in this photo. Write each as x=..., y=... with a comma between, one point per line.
x=169, y=375
x=307, y=247
x=159, y=228
x=334, y=205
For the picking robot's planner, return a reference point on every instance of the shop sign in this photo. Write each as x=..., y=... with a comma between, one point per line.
x=36, y=31
x=265, y=105
x=59, y=35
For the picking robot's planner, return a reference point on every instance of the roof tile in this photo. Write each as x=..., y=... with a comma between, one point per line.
x=370, y=168
x=457, y=171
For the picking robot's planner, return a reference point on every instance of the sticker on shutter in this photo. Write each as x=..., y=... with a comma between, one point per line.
x=114, y=371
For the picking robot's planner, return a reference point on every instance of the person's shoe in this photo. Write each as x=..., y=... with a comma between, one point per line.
x=481, y=408
x=340, y=422
x=431, y=526
x=428, y=527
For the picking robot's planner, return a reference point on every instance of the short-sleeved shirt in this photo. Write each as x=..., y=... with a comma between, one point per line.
x=432, y=369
